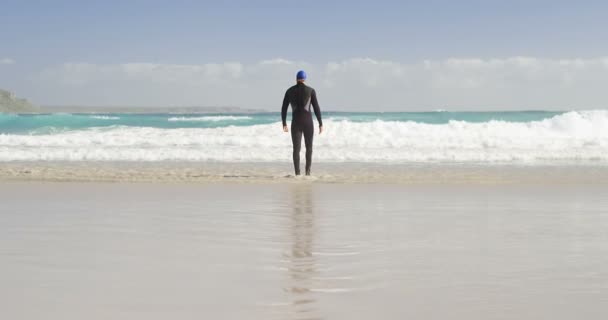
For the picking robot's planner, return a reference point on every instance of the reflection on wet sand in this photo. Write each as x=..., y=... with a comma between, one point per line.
x=301, y=262
x=302, y=251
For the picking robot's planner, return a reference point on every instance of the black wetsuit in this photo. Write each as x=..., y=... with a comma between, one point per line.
x=301, y=97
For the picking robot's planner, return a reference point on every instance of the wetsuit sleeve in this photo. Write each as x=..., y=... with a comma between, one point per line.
x=284, y=108
x=315, y=105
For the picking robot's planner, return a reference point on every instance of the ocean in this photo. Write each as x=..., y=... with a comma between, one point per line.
x=528, y=137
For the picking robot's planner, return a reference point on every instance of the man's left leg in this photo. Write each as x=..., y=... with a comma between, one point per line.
x=296, y=139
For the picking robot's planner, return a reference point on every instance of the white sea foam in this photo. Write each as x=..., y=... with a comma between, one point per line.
x=105, y=117
x=210, y=118
x=578, y=136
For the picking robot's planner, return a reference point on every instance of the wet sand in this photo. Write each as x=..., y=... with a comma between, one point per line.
x=282, y=173
x=303, y=250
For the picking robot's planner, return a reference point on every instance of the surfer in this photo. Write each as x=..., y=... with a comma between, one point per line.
x=301, y=97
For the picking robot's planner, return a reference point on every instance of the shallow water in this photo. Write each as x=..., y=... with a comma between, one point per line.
x=302, y=251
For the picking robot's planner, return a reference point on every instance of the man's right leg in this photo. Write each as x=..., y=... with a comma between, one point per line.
x=308, y=131
x=296, y=139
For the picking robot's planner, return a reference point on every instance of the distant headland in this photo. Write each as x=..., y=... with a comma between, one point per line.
x=10, y=103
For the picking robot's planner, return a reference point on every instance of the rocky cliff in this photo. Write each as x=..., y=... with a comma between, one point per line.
x=10, y=103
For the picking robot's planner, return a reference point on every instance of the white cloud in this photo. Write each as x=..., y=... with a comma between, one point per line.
x=7, y=61
x=276, y=61
x=353, y=84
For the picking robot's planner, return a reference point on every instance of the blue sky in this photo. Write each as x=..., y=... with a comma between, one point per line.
x=39, y=36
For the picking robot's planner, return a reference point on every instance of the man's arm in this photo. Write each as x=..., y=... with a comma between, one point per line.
x=315, y=105
x=284, y=108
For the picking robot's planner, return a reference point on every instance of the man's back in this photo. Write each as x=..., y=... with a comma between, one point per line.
x=300, y=97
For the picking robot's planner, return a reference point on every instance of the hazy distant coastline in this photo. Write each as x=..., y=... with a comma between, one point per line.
x=10, y=103
x=139, y=109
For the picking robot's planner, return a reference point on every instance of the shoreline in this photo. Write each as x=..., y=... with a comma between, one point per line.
x=281, y=173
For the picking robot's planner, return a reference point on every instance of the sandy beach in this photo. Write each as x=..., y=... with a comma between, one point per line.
x=305, y=249
x=282, y=173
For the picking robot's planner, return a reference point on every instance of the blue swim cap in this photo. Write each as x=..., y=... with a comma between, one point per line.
x=301, y=75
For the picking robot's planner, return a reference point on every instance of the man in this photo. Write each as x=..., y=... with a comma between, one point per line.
x=301, y=97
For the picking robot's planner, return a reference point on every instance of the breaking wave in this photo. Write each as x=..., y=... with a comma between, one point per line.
x=577, y=136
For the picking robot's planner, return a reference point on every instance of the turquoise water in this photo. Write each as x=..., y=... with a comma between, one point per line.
x=392, y=137
x=51, y=123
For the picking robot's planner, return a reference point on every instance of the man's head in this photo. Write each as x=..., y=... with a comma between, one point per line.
x=301, y=76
